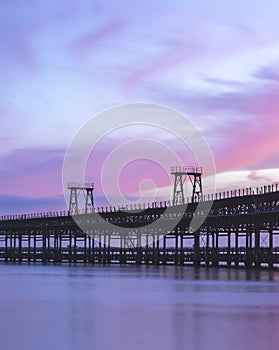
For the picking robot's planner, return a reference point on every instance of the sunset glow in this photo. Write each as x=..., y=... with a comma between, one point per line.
x=63, y=62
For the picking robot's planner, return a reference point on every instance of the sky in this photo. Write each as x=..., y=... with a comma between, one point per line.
x=62, y=62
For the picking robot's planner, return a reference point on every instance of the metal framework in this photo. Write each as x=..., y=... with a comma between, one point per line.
x=75, y=189
x=180, y=175
x=242, y=229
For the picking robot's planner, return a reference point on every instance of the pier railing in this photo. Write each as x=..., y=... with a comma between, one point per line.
x=142, y=206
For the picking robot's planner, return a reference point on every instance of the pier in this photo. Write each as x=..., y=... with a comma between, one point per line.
x=241, y=229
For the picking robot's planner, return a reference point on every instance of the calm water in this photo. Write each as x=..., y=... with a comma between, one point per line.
x=79, y=308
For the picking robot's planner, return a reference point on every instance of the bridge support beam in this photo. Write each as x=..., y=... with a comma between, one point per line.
x=257, y=261
x=229, y=248
x=181, y=255
x=236, y=260
x=207, y=255
x=270, y=250
x=215, y=245
x=164, y=258
x=248, y=257
x=197, y=258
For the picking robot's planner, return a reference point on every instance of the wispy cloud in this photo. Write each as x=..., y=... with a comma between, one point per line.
x=32, y=172
x=24, y=205
x=270, y=73
x=89, y=40
x=61, y=62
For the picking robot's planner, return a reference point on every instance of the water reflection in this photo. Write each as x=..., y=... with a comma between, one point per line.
x=138, y=307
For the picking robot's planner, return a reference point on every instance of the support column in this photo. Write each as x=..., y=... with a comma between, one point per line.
x=85, y=255
x=35, y=248
x=48, y=245
x=158, y=248
x=60, y=247
x=257, y=261
x=75, y=247
x=181, y=259
x=207, y=256
x=176, y=248
x=6, y=246
x=229, y=248
x=44, y=246
x=139, y=248
x=197, y=248
x=146, y=251
x=100, y=249
x=20, y=247
x=108, y=248
x=93, y=249
x=236, y=248
x=14, y=247
x=70, y=253
x=248, y=261
x=270, y=250
x=164, y=258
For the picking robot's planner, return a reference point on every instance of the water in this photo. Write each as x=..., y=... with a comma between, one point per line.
x=130, y=307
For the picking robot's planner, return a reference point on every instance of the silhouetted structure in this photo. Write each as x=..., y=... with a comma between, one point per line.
x=181, y=173
x=241, y=229
x=87, y=190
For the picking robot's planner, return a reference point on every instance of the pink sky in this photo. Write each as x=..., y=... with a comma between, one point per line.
x=63, y=62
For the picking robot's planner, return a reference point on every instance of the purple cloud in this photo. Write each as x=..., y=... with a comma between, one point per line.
x=31, y=173
x=270, y=73
x=24, y=205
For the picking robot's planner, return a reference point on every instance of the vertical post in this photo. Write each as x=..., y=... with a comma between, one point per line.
x=44, y=246
x=164, y=258
x=93, y=249
x=229, y=248
x=108, y=248
x=89, y=247
x=60, y=247
x=85, y=255
x=176, y=247
x=29, y=246
x=48, y=245
x=181, y=249
x=270, y=250
x=35, y=247
x=104, y=248
x=248, y=247
x=100, y=249
x=158, y=248
x=216, y=249
x=20, y=246
x=146, y=253
x=75, y=247
x=197, y=248
x=154, y=250
x=257, y=248
x=139, y=248
x=14, y=247
x=236, y=248
x=207, y=257
x=6, y=246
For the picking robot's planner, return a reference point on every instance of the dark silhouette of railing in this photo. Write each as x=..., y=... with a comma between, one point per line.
x=141, y=206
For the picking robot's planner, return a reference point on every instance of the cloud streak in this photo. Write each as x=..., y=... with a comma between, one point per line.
x=61, y=63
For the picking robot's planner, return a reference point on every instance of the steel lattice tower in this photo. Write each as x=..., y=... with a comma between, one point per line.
x=180, y=175
x=75, y=189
